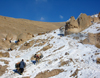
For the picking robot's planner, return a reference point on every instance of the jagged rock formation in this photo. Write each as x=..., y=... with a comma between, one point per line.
x=81, y=23
x=84, y=21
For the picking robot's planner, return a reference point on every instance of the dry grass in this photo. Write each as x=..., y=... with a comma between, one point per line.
x=27, y=45
x=11, y=29
x=5, y=61
x=64, y=63
x=2, y=69
x=50, y=62
x=48, y=73
x=52, y=37
x=29, y=26
x=76, y=38
x=26, y=77
x=47, y=47
x=40, y=42
x=6, y=54
x=59, y=48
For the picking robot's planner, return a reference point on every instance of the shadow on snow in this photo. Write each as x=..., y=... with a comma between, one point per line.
x=16, y=71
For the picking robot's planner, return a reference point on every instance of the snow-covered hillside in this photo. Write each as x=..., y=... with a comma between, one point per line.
x=66, y=53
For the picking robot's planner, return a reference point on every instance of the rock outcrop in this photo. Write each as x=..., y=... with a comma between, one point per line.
x=96, y=19
x=93, y=39
x=84, y=21
x=99, y=15
x=81, y=23
x=71, y=25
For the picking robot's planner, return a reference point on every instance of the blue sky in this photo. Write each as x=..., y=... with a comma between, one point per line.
x=48, y=10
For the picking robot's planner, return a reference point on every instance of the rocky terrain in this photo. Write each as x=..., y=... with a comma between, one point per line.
x=82, y=22
x=12, y=30
x=73, y=55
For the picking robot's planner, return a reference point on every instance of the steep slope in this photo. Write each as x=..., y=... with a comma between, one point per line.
x=17, y=26
x=63, y=57
x=11, y=29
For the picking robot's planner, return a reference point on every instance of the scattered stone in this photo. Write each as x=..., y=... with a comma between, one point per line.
x=41, y=33
x=84, y=54
x=75, y=73
x=97, y=53
x=98, y=60
x=66, y=53
x=54, y=32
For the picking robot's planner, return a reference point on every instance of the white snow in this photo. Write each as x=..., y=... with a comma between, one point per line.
x=82, y=55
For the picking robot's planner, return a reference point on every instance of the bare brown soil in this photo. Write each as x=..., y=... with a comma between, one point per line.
x=93, y=39
x=12, y=29
x=98, y=60
x=26, y=77
x=6, y=54
x=5, y=61
x=48, y=73
x=27, y=45
x=2, y=69
x=18, y=26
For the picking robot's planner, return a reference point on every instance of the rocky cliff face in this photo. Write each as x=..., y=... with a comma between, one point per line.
x=81, y=23
x=84, y=21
